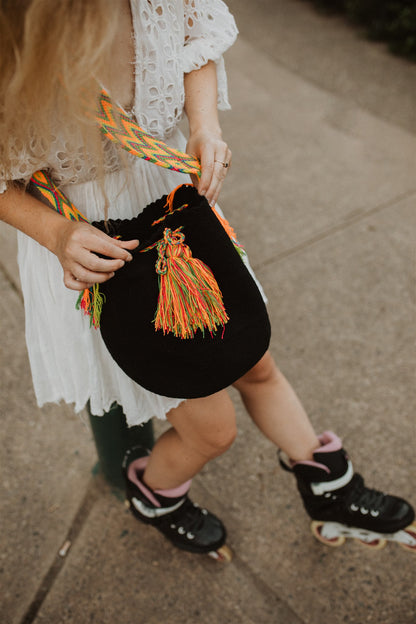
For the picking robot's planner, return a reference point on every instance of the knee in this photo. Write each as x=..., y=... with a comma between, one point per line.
x=206, y=426
x=218, y=440
x=265, y=371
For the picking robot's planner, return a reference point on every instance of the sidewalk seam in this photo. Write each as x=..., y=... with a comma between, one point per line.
x=77, y=524
x=342, y=96
x=346, y=223
x=313, y=81
x=265, y=590
x=10, y=282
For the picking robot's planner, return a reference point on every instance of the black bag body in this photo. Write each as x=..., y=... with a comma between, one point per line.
x=163, y=363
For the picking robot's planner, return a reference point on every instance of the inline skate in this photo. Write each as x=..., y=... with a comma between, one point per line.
x=183, y=522
x=340, y=504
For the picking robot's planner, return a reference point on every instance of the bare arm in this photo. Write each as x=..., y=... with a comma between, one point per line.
x=205, y=137
x=75, y=244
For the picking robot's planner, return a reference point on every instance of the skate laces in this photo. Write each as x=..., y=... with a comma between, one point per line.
x=190, y=516
x=365, y=499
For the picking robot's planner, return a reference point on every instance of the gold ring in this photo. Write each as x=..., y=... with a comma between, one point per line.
x=225, y=165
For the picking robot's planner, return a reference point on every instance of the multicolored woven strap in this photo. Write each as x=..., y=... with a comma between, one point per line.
x=90, y=300
x=117, y=126
x=50, y=194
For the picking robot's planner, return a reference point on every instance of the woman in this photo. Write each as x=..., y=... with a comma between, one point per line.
x=157, y=59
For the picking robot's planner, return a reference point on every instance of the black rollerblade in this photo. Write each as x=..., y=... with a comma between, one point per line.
x=341, y=506
x=183, y=522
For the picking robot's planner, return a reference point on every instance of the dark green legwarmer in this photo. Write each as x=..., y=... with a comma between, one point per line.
x=113, y=437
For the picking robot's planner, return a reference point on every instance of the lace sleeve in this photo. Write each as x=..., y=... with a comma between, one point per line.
x=22, y=168
x=210, y=30
x=65, y=159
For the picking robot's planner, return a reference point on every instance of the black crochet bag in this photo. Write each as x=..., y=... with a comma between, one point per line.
x=204, y=351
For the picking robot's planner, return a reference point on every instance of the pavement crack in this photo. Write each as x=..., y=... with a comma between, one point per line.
x=78, y=522
x=10, y=282
x=282, y=611
x=279, y=607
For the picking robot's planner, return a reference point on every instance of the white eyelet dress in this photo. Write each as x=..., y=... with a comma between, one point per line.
x=69, y=361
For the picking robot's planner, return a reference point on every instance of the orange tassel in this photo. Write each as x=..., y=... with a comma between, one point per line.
x=226, y=225
x=189, y=296
x=90, y=301
x=171, y=197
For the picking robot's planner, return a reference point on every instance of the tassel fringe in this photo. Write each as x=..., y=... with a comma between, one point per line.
x=230, y=231
x=91, y=301
x=189, y=296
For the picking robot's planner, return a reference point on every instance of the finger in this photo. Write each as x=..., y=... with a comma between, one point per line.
x=222, y=165
x=89, y=260
x=82, y=274
x=227, y=169
x=216, y=195
x=105, y=245
x=195, y=180
x=130, y=244
x=73, y=284
x=216, y=182
x=224, y=159
x=207, y=169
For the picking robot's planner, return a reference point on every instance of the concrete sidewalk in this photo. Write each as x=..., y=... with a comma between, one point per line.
x=322, y=193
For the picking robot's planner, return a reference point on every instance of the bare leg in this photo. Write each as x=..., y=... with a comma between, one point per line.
x=201, y=430
x=205, y=428
x=274, y=407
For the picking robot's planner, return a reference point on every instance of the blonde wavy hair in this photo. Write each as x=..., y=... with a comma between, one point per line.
x=50, y=51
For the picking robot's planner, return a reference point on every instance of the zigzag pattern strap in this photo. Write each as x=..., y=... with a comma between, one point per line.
x=46, y=190
x=120, y=129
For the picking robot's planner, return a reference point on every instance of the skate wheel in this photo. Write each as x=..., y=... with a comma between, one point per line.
x=411, y=530
x=376, y=544
x=222, y=555
x=316, y=528
x=127, y=503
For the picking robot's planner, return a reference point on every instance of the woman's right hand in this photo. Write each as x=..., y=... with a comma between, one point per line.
x=76, y=248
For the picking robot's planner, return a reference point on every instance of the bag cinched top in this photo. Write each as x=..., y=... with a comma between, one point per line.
x=184, y=318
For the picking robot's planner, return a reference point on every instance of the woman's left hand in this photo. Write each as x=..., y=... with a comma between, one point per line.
x=215, y=157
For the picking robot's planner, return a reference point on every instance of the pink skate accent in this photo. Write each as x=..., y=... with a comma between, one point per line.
x=139, y=465
x=330, y=442
x=181, y=490
x=308, y=462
